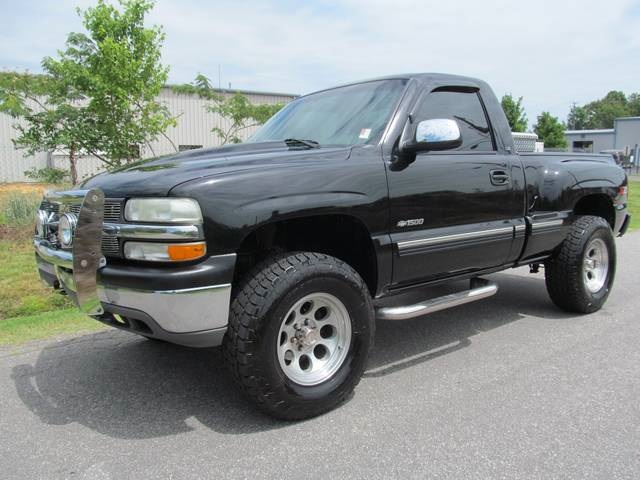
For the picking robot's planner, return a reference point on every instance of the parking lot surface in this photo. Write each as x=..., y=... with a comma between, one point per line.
x=508, y=387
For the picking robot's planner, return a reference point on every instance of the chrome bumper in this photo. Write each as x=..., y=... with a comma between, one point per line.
x=47, y=252
x=190, y=316
x=176, y=311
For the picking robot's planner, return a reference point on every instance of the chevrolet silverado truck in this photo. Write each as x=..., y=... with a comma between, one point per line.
x=285, y=249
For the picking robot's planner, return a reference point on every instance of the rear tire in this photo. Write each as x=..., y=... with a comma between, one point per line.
x=300, y=330
x=580, y=276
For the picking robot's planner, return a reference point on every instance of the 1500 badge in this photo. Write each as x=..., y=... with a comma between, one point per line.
x=412, y=222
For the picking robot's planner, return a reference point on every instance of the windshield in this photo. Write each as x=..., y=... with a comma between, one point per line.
x=343, y=116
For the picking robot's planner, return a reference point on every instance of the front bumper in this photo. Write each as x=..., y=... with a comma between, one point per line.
x=187, y=305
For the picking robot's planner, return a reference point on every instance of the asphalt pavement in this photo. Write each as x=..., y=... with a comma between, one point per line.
x=508, y=387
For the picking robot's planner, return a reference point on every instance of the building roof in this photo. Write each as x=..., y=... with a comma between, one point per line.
x=238, y=90
x=626, y=118
x=589, y=132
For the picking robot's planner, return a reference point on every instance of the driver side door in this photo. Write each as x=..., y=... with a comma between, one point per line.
x=452, y=211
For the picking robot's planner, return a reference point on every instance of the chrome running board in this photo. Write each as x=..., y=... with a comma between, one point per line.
x=480, y=288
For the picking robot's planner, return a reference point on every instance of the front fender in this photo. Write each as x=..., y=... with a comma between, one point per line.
x=235, y=204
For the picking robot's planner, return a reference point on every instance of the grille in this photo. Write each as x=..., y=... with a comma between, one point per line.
x=112, y=210
x=112, y=214
x=49, y=206
x=110, y=245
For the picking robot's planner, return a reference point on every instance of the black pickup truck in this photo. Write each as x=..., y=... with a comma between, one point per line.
x=285, y=249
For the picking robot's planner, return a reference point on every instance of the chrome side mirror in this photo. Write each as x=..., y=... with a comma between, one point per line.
x=433, y=134
x=438, y=134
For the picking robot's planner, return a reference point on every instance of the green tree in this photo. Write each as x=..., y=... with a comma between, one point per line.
x=99, y=96
x=578, y=118
x=550, y=130
x=634, y=104
x=239, y=112
x=52, y=117
x=602, y=113
x=514, y=111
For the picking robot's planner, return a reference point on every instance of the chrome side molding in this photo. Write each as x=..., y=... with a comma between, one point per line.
x=424, y=242
x=480, y=288
x=545, y=224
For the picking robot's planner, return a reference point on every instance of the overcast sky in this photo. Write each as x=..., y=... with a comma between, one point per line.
x=551, y=52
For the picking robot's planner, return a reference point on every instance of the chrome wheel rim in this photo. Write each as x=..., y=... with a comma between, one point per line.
x=314, y=339
x=595, y=266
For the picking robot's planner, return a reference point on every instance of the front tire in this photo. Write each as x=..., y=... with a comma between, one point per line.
x=300, y=330
x=580, y=276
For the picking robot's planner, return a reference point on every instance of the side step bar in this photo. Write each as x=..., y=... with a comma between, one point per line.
x=480, y=288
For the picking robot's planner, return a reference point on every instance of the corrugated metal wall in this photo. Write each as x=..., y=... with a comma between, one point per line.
x=193, y=127
x=13, y=163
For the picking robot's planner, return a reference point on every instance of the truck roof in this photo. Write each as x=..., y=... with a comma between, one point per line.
x=430, y=76
x=422, y=77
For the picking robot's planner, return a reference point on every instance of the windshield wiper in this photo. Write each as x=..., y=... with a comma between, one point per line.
x=298, y=142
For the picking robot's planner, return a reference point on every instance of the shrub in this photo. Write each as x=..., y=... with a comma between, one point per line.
x=47, y=174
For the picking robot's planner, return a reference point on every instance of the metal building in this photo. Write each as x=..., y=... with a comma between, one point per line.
x=624, y=137
x=193, y=130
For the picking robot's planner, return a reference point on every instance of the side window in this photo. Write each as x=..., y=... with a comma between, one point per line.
x=466, y=109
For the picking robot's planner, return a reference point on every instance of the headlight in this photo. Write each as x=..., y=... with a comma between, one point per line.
x=66, y=227
x=164, y=252
x=158, y=210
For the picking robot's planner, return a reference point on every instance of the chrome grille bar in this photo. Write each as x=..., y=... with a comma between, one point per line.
x=112, y=210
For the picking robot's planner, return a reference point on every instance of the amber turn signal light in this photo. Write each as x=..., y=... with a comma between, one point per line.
x=181, y=252
x=164, y=252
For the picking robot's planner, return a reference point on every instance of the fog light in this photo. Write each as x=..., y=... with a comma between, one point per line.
x=164, y=252
x=66, y=229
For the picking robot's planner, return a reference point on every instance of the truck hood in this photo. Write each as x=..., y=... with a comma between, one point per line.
x=157, y=176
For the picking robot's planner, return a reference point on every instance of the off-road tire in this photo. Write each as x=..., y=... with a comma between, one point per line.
x=257, y=311
x=564, y=271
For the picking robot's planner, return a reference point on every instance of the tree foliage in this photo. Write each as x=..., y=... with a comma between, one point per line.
x=578, y=118
x=602, y=113
x=514, y=111
x=47, y=175
x=201, y=86
x=98, y=96
x=239, y=113
x=550, y=130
